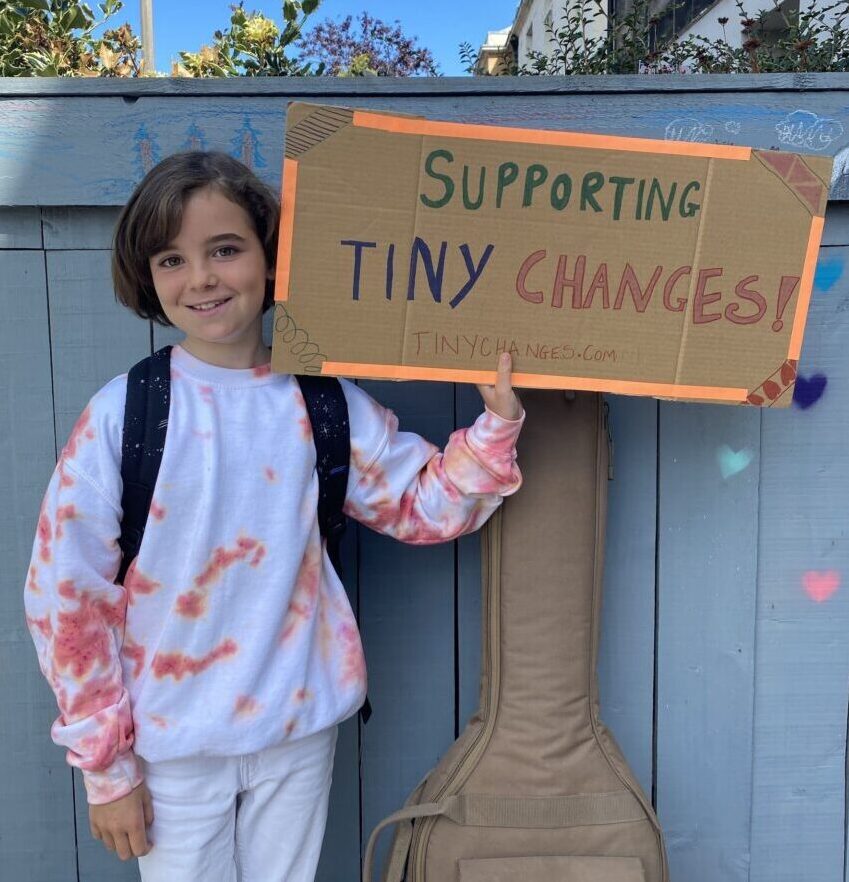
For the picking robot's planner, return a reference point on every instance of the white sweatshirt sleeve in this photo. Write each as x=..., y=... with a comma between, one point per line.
x=402, y=485
x=74, y=610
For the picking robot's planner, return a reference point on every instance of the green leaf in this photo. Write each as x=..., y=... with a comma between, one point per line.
x=35, y=4
x=78, y=18
x=310, y=6
x=290, y=11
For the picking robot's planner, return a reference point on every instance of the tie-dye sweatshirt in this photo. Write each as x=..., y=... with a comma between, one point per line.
x=232, y=631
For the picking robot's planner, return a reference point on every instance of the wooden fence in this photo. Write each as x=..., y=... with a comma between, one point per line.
x=725, y=653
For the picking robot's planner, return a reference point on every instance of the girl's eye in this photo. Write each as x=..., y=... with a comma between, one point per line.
x=226, y=251
x=169, y=262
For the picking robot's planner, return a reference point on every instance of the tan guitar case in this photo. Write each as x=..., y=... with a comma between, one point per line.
x=536, y=789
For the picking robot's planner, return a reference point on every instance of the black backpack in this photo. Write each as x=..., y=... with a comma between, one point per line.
x=145, y=425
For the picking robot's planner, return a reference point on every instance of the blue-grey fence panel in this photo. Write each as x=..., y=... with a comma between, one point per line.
x=77, y=228
x=707, y=567
x=92, y=340
x=627, y=651
x=20, y=227
x=799, y=802
x=340, y=854
x=468, y=404
x=37, y=842
x=406, y=598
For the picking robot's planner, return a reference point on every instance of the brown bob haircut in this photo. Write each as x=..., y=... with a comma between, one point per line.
x=152, y=217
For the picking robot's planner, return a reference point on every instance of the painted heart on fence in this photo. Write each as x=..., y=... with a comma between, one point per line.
x=732, y=462
x=828, y=273
x=808, y=391
x=820, y=585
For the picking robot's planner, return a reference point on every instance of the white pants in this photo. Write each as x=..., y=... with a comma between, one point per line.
x=253, y=818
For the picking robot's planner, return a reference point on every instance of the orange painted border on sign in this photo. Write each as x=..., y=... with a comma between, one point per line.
x=806, y=286
x=536, y=381
x=287, y=226
x=406, y=126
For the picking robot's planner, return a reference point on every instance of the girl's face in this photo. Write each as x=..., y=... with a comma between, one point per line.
x=211, y=279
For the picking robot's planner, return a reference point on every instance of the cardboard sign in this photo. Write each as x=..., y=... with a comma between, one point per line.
x=415, y=249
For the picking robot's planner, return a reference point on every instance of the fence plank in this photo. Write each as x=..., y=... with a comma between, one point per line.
x=626, y=653
x=468, y=406
x=340, y=854
x=407, y=620
x=707, y=564
x=94, y=339
x=803, y=655
x=37, y=840
x=72, y=227
x=20, y=227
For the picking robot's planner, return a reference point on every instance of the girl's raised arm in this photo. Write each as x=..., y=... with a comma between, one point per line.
x=402, y=485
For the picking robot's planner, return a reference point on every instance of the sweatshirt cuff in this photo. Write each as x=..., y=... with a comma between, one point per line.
x=495, y=435
x=115, y=781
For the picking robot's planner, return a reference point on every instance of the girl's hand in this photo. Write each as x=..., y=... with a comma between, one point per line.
x=121, y=825
x=501, y=398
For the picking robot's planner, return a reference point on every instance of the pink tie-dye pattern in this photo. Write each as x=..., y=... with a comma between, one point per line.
x=206, y=394
x=159, y=721
x=64, y=513
x=101, y=748
x=135, y=653
x=194, y=602
x=157, y=512
x=353, y=671
x=305, y=594
x=177, y=665
x=67, y=588
x=81, y=433
x=451, y=495
x=96, y=693
x=42, y=624
x=136, y=582
x=32, y=580
x=45, y=537
x=246, y=706
x=82, y=638
x=65, y=480
x=262, y=370
x=304, y=419
x=270, y=475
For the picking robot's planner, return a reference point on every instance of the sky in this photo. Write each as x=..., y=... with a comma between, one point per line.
x=440, y=25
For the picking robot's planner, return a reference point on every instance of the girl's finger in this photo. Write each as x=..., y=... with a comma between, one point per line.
x=505, y=365
x=147, y=804
x=122, y=846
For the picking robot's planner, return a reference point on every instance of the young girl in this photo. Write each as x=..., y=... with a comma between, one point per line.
x=201, y=698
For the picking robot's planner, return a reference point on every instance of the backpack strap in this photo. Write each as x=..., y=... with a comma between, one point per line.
x=328, y=413
x=145, y=424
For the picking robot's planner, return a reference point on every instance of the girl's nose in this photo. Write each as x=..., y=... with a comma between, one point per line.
x=203, y=278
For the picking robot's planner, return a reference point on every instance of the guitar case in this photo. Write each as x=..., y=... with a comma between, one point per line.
x=536, y=789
